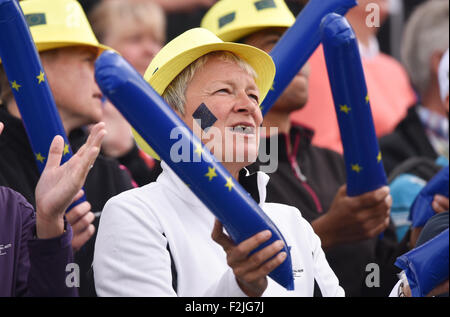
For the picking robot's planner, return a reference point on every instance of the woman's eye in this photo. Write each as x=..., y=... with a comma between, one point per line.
x=223, y=90
x=255, y=97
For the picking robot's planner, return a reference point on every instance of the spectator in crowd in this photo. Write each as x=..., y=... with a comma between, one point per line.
x=156, y=240
x=68, y=62
x=443, y=80
x=182, y=15
x=35, y=247
x=138, y=37
x=310, y=178
x=390, y=92
x=424, y=130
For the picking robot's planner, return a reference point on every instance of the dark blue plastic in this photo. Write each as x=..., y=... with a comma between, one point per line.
x=422, y=210
x=298, y=43
x=426, y=266
x=25, y=73
x=154, y=120
x=365, y=171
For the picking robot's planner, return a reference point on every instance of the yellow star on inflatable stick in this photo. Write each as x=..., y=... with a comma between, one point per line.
x=229, y=183
x=198, y=150
x=367, y=98
x=345, y=108
x=211, y=173
x=40, y=158
x=15, y=85
x=379, y=157
x=356, y=168
x=40, y=77
x=66, y=149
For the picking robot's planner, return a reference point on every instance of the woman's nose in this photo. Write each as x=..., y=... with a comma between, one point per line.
x=246, y=103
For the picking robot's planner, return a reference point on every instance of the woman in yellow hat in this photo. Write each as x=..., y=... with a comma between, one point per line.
x=156, y=240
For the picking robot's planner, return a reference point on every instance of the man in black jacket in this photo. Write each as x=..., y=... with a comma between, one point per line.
x=312, y=178
x=69, y=68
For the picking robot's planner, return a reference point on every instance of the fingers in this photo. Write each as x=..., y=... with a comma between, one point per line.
x=255, y=261
x=77, y=196
x=1, y=127
x=440, y=203
x=265, y=269
x=86, y=156
x=78, y=212
x=220, y=237
x=81, y=238
x=241, y=252
x=370, y=199
x=95, y=138
x=55, y=152
x=83, y=223
x=377, y=229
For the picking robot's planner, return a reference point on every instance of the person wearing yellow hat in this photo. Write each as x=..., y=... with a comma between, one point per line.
x=156, y=240
x=68, y=49
x=308, y=177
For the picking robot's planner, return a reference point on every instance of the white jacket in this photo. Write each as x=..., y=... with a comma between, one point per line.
x=131, y=255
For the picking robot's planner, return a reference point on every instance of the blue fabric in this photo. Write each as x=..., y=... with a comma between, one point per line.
x=404, y=190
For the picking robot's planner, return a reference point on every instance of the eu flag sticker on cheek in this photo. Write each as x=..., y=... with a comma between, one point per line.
x=204, y=117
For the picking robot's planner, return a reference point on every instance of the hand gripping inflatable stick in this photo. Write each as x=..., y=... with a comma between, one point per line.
x=422, y=210
x=154, y=120
x=426, y=266
x=298, y=43
x=362, y=155
x=29, y=85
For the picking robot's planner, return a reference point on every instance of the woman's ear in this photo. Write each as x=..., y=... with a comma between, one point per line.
x=435, y=61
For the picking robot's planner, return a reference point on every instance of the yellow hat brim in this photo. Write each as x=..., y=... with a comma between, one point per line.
x=261, y=62
x=245, y=18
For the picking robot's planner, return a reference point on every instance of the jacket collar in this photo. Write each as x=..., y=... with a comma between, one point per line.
x=254, y=182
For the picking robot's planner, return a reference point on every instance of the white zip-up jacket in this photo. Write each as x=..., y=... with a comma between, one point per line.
x=145, y=231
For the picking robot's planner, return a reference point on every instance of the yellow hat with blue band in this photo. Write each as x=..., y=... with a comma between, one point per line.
x=59, y=23
x=193, y=44
x=232, y=20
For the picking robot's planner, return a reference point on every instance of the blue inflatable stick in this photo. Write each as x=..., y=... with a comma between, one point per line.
x=426, y=266
x=422, y=210
x=365, y=171
x=155, y=121
x=298, y=43
x=29, y=85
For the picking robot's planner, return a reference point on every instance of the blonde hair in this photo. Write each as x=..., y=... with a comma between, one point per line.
x=116, y=12
x=426, y=32
x=175, y=93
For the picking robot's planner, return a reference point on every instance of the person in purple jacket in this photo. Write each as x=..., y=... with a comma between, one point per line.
x=35, y=246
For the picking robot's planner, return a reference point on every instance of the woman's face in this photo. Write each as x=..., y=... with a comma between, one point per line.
x=226, y=98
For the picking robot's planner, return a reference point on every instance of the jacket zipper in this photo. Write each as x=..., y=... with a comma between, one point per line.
x=298, y=172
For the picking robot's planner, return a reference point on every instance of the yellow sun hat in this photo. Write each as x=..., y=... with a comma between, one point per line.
x=232, y=20
x=193, y=44
x=59, y=23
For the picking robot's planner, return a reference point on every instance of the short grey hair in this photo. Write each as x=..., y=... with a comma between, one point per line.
x=175, y=93
x=426, y=32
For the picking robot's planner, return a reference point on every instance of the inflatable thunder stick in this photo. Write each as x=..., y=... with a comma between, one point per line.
x=155, y=121
x=29, y=85
x=364, y=166
x=422, y=209
x=426, y=266
x=298, y=43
